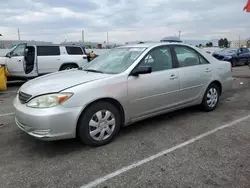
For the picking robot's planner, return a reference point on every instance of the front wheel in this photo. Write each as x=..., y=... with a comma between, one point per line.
x=233, y=62
x=99, y=124
x=210, y=98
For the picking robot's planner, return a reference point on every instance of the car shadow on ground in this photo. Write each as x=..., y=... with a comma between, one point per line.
x=150, y=123
x=51, y=149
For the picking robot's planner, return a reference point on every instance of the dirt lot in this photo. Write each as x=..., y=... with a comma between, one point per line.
x=198, y=150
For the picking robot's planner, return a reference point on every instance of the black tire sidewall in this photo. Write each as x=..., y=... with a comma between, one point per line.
x=204, y=104
x=234, y=62
x=66, y=66
x=83, y=126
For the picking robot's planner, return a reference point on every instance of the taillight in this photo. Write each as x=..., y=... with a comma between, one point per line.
x=84, y=57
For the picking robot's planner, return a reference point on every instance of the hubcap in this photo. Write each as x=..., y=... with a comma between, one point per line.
x=212, y=97
x=102, y=125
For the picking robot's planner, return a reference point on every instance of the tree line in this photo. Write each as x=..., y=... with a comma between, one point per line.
x=223, y=43
x=209, y=44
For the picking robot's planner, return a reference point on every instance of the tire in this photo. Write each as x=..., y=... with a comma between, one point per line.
x=248, y=61
x=68, y=67
x=99, y=125
x=213, y=90
x=233, y=62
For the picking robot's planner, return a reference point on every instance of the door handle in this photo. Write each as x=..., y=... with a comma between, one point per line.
x=172, y=77
x=57, y=59
x=208, y=70
x=19, y=60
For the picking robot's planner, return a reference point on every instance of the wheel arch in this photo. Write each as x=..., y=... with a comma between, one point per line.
x=113, y=101
x=218, y=83
x=68, y=63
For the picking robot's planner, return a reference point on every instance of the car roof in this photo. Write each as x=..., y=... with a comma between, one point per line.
x=63, y=45
x=148, y=45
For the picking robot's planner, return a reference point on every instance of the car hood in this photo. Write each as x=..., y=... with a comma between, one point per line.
x=225, y=53
x=59, y=81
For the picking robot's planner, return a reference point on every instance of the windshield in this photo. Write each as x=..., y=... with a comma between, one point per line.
x=115, y=61
x=230, y=50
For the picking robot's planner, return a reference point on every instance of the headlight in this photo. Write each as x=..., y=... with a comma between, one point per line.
x=228, y=57
x=49, y=100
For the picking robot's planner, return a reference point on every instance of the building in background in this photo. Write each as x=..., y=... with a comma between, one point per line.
x=91, y=45
x=236, y=43
x=7, y=44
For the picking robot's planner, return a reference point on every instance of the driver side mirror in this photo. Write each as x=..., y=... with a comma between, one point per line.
x=141, y=70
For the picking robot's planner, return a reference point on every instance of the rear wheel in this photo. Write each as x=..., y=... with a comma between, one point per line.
x=99, y=124
x=68, y=67
x=211, y=98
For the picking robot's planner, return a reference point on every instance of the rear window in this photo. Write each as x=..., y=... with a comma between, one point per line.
x=48, y=50
x=72, y=50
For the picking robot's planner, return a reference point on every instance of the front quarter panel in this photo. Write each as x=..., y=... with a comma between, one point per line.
x=114, y=87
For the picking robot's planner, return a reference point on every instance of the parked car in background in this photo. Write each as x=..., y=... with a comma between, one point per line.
x=120, y=87
x=236, y=56
x=31, y=61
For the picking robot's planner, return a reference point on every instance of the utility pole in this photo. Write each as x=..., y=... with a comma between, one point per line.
x=239, y=41
x=18, y=32
x=179, y=34
x=82, y=35
x=107, y=37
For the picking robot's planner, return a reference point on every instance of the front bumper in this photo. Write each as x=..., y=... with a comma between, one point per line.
x=47, y=124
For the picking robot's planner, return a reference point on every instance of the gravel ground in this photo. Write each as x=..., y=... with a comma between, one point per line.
x=218, y=160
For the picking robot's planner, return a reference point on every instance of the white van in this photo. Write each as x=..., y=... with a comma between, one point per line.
x=31, y=61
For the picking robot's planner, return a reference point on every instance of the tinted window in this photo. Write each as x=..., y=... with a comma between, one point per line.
x=188, y=57
x=74, y=50
x=244, y=50
x=159, y=58
x=48, y=50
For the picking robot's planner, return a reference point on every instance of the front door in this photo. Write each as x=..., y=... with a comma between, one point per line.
x=195, y=73
x=156, y=91
x=15, y=61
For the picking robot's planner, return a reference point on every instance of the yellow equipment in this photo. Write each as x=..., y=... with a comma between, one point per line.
x=3, y=77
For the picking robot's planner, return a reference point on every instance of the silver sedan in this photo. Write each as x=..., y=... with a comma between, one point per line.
x=124, y=85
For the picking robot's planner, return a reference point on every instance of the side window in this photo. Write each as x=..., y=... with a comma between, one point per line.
x=74, y=50
x=203, y=60
x=19, y=50
x=187, y=57
x=245, y=50
x=159, y=59
x=48, y=50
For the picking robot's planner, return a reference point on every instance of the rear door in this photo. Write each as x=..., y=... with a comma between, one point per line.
x=15, y=62
x=195, y=73
x=76, y=55
x=48, y=59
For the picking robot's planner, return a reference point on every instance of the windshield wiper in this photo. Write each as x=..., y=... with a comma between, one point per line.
x=93, y=70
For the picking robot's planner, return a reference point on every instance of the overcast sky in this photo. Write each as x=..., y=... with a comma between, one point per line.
x=126, y=20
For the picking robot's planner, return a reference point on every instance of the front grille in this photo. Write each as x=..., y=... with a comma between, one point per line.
x=24, y=97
